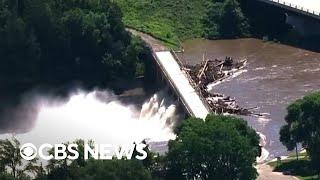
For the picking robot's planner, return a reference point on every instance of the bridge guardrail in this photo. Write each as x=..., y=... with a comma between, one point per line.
x=295, y=6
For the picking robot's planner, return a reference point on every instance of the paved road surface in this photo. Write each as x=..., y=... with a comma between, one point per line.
x=266, y=173
x=156, y=44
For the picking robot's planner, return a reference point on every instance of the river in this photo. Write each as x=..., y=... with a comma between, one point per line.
x=276, y=76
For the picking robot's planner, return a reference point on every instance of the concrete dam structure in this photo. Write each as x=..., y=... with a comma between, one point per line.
x=187, y=93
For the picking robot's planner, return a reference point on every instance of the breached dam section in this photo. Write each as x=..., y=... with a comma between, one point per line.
x=178, y=79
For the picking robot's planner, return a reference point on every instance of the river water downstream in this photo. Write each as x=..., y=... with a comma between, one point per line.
x=276, y=76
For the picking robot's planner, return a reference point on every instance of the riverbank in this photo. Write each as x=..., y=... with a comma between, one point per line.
x=153, y=42
x=266, y=173
x=300, y=166
x=173, y=22
x=168, y=20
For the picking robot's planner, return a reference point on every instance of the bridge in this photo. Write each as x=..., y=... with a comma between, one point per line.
x=303, y=15
x=306, y=7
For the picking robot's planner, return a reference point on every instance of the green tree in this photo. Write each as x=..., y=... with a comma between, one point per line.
x=96, y=169
x=225, y=20
x=66, y=168
x=303, y=127
x=55, y=43
x=290, y=135
x=10, y=155
x=115, y=170
x=6, y=176
x=12, y=162
x=265, y=20
x=221, y=147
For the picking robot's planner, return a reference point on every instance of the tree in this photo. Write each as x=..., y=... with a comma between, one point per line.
x=66, y=168
x=96, y=169
x=115, y=170
x=303, y=127
x=289, y=134
x=10, y=155
x=233, y=22
x=55, y=43
x=11, y=160
x=221, y=147
x=264, y=19
x=211, y=21
x=225, y=20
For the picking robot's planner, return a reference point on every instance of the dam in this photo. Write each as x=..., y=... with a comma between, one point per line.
x=188, y=95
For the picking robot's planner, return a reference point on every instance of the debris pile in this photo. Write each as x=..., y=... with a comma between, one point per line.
x=210, y=71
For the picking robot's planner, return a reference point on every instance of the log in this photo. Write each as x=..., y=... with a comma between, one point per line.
x=203, y=69
x=208, y=72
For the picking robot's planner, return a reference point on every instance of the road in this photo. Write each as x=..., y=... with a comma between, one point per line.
x=155, y=44
x=266, y=173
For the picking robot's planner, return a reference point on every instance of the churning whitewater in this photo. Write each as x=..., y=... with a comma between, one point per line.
x=101, y=117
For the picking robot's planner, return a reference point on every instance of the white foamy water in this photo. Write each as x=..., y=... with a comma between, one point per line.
x=104, y=120
x=264, y=152
x=235, y=73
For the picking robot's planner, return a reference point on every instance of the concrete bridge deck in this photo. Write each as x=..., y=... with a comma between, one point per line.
x=306, y=7
x=178, y=79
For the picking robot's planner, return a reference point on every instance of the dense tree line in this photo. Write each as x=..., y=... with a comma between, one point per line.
x=243, y=18
x=265, y=19
x=217, y=148
x=52, y=45
x=56, y=42
x=225, y=19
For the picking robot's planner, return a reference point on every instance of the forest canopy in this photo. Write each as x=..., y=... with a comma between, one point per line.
x=59, y=41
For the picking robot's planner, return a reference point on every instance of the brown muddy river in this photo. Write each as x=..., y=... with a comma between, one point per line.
x=276, y=76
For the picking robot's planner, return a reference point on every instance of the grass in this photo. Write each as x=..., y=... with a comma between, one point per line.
x=301, y=168
x=171, y=21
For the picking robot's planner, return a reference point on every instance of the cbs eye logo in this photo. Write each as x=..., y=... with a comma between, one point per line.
x=28, y=151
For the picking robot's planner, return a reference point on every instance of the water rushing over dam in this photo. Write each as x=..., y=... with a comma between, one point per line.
x=101, y=117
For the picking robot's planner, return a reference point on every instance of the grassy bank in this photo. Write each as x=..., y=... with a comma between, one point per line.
x=167, y=20
x=300, y=168
x=174, y=21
